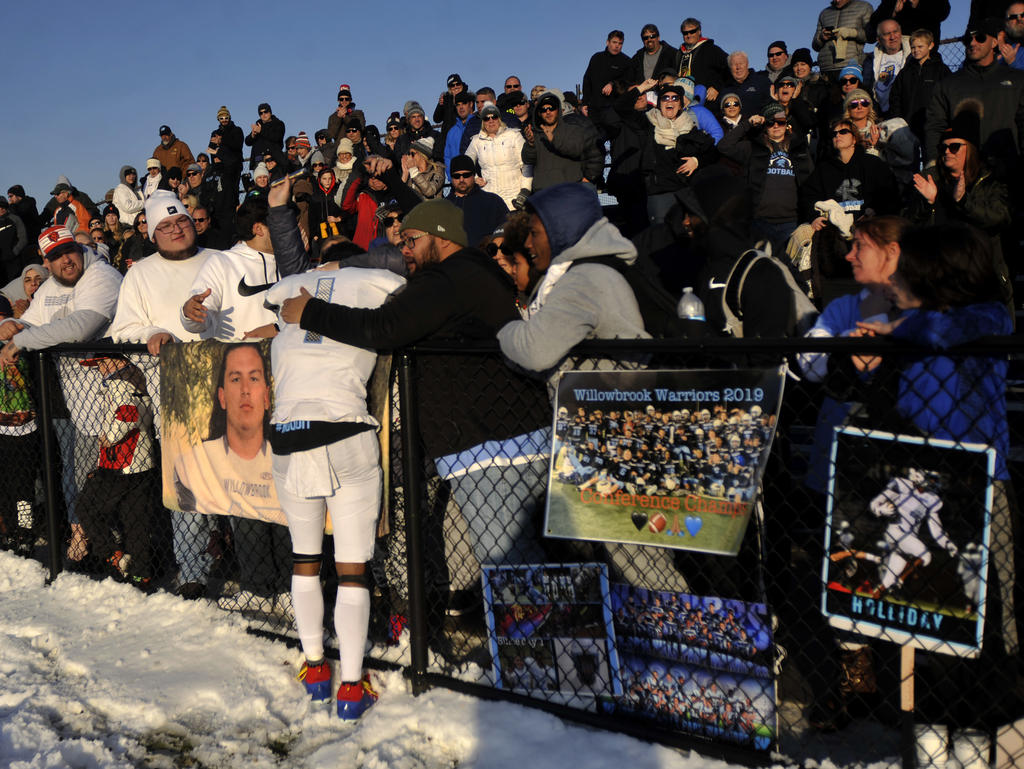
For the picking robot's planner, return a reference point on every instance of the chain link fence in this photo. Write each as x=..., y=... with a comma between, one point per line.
x=866, y=614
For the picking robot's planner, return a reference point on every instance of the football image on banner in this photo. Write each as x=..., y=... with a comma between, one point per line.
x=907, y=543
x=551, y=633
x=215, y=409
x=699, y=664
x=666, y=458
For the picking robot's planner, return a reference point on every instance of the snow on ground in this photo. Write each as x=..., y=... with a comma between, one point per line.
x=96, y=675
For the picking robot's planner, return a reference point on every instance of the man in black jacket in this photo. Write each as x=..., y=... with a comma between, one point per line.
x=561, y=148
x=701, y=60
x=225, y=149
x=999, y=88
x=267, y=134
x=456, y=292
x=654, y=56
x=24, y=207
x=483, y=212
x=12, y=241
x=605, y=68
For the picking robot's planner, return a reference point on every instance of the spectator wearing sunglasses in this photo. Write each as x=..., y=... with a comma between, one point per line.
x=497, y=150
x=338, y=120
x=678, y=143
x=778, y=60
x=483, y=212
x=1011, y=50
x=961, y=186
x=840, y=34
x=420, y=172
x=561, y=148
x=267, y=133
x=775, y=162
x=860, y=183
x=998, y=88
x=654, y=56
x=701, y=60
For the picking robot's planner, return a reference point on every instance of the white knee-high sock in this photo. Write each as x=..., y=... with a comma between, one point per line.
x=351, y=621
x=308, y=603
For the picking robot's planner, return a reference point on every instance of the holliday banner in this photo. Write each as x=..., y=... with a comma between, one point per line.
x=907, y=542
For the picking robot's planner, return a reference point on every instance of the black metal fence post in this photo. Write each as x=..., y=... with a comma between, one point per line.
x=50, y=481
x=412, y=471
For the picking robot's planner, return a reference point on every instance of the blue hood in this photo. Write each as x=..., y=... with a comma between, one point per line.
x=567, y=212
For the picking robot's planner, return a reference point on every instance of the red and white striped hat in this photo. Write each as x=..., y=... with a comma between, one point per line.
x=51, y=237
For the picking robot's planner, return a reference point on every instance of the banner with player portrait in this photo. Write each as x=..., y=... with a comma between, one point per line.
x=550, y=632
x=215, y=405
x=666, y=458
x=907, y=542
x=698, y=664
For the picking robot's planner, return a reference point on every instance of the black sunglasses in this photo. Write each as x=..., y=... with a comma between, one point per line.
x=978, y=37
x=1014, y=16
x=841, y=132
x=650, y=37
x=492, y=250
x=952, y=147
x=849, y=80
x=462, y=175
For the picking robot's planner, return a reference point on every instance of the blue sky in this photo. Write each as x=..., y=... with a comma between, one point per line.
x=87, y=85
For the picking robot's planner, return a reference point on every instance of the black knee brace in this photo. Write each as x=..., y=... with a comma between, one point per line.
x=306, y=557
x=355, y=580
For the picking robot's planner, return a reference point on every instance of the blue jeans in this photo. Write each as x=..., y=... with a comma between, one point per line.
x=502, y=506
x=191, y=540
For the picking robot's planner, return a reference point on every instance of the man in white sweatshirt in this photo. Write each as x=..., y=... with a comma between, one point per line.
x=149, y=312
x=74, y=305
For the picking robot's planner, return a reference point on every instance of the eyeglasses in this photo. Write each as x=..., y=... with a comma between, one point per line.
x=168, y=227
x=513, y=86
x=462, y=175
x=729, y=104
x=775, y=54
x=264, y=111
x=141, y=221
x=650, y=37
x=410, y=240
x=200, y=219
x=391, y=221
x=781, y=122
x=319, y=165
x=693, y=31
x=952, y=147
x=978, y=37
x=546, y=108
x=193, y=173
x=223, y=119
x=670, y=97
x=351, y=130
x=841, y=132
x=860, y=103
x=848, y=80
x=1014, y=16
x=202, y=161
x=491, y=117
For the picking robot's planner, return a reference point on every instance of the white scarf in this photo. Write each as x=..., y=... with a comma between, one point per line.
x=667, y=131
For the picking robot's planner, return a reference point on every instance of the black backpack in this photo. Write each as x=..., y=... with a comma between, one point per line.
x=657, y=306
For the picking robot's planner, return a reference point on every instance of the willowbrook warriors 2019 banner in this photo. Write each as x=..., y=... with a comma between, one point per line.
x=666, y=458
x=907, y=544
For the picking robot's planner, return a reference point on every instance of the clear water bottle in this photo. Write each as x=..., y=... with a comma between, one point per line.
x=690, y=306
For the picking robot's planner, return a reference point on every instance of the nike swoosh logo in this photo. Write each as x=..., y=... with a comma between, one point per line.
x=712, y=284
x=245, y=289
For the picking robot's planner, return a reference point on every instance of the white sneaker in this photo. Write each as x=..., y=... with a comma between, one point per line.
x=246, y=600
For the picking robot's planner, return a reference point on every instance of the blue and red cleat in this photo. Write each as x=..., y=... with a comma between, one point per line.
x=355, y=699
x=317, y=678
